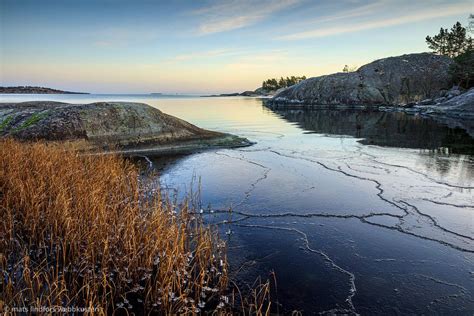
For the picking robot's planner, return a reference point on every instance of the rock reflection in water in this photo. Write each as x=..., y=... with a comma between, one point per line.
x=393, y=129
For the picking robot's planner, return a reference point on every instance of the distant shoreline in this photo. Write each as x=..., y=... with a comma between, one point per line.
x=35, y=90
x=254, y=94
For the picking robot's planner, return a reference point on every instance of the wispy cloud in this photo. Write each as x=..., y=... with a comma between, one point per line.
x=363, y=10
x=415, y=15
x=234, y=14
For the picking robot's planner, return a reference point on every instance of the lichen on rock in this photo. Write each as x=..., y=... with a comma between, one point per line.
x=127, y=127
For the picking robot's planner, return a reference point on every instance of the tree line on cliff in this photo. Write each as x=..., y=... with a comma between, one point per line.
x=275, y=84
x=459, y=45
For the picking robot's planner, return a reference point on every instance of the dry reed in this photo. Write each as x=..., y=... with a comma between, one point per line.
x=79, y=231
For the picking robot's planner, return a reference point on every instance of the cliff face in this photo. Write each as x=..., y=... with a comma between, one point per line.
x=389, y=81
x=126, y=126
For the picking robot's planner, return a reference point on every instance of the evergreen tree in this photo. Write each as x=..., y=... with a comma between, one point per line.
x=282, y=83
x=452, y=42
x=274, y=84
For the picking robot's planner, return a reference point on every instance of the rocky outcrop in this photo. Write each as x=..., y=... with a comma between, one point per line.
x=128, y=127
x=389, y=81
x=463, y=103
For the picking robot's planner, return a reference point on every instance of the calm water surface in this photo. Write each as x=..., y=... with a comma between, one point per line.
x=356, y=212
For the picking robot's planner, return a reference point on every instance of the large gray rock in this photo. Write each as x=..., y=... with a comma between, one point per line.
x=463, y=102
x=129, y=127
x=388, y=81
x=460, y=106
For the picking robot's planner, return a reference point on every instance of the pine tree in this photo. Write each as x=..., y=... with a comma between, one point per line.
x=282, y=83
x=275, y=84
x=452, y=42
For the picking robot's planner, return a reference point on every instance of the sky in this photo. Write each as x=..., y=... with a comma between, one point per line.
x=212, y=46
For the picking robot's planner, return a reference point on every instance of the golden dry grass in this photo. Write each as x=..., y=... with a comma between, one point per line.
x=80, y=231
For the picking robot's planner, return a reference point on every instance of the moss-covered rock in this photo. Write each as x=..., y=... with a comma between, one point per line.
x=127, y=127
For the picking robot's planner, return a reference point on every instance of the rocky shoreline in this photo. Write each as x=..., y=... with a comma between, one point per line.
x=461, y=105
x=456, y=110
x=126, y=128
x=454, y=103
x=417, y=84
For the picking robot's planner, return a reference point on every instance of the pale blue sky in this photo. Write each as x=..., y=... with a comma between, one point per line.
x=205, y=46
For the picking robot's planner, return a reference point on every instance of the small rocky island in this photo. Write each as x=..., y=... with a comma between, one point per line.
x=129, y=128
x=35, y=90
